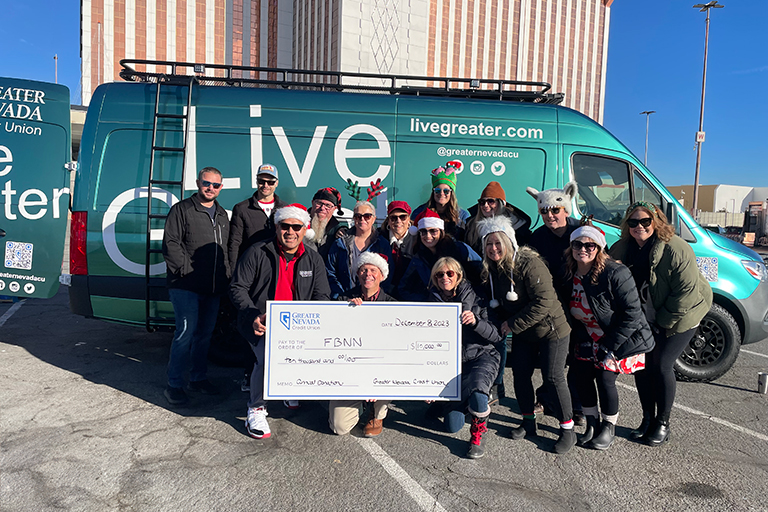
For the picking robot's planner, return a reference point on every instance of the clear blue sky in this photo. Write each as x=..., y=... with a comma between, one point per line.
x=655, y=59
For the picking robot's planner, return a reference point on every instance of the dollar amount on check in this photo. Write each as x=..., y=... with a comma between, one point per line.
x=382, y=350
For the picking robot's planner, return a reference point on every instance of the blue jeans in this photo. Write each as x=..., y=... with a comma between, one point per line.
x=455, y=418
x=195, y=320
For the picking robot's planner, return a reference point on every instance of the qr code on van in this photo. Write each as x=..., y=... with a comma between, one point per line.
x=18, y=255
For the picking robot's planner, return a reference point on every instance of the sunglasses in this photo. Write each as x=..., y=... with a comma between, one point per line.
x=553, y=210
x=444, y=191
x=434, y=232
x=449, y=273
x=589, y=246
x=361, y=216
x=646, y=222
x=402, y=218
x=482, y=202
x=288, y=227
x=206, y=184
x=266, y=182
x=322, y=206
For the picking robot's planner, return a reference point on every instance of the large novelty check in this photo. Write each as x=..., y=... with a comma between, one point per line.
x=382, y=350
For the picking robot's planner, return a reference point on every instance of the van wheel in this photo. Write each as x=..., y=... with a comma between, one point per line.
x=712, y=350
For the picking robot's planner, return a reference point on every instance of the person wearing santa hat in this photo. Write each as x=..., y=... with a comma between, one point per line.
x=342, y=258
x=480, y=356
x=442, y=200
x=395, y=229
x=432, y=243
x=325, y=225
x=493, y=202
x=343, y=415
x=523, y=299
x=277, y=269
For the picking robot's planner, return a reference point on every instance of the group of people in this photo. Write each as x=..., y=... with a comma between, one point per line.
x=556, y=298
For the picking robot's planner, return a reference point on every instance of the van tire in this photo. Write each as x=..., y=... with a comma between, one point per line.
x=712, y=350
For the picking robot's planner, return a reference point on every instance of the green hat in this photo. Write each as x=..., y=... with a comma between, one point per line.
x=446, y=175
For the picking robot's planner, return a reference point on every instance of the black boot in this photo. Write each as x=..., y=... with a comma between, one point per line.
x=566, y=441
x=589, y=432
x=658, y=434
x=526, y=429
x=604, y=439
x=642, y=430
x=476, y=441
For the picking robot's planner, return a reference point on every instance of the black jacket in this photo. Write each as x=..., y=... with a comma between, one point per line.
x=552, y=248
x=358, y=292
x=195, y=247
x=255, y=278
x=616, y=306
x=250, y=224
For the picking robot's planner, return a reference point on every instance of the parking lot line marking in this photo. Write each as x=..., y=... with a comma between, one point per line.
x=711, y=418
x=11, y=310
x=754, y=353
x=417, y=492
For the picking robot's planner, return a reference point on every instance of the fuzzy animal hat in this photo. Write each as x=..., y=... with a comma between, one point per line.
x=298, y=212
x=500, y=224
x=555, y=197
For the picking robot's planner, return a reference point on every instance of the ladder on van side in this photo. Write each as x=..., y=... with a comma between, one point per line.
x=154, y=218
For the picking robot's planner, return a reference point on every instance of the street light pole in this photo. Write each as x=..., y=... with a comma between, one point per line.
x=700, y=134
x=647, y=120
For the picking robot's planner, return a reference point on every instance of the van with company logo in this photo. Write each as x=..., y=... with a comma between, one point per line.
x=144, y=140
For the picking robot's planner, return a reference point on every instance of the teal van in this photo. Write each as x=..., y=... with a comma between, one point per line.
x=148, y=139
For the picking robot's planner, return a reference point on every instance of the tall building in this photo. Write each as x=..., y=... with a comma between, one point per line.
x=563, y=42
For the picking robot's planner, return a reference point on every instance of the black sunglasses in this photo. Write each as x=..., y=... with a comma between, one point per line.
x=482, y=202
x=553, y=210
x=206, y=184
x=646, y=222
x=444, y=191
x=295, y=227
x=402, y=217
x=589, y=246
x=361, y=216
x=261, y=181
x=434, y=232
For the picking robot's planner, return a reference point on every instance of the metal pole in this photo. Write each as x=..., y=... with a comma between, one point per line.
x=647, y=121
x=703, y=7
x=56, y=68
x=98, y=52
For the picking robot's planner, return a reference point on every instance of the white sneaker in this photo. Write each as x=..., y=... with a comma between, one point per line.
x=256, y=424
x=291, y=404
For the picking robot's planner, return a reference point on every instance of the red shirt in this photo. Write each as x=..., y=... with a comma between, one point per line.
x=285, y=282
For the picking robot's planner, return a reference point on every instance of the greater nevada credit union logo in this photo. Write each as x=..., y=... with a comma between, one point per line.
x=285, y=319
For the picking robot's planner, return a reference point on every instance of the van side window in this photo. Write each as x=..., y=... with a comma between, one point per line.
x=644, y=191
x=604, y=186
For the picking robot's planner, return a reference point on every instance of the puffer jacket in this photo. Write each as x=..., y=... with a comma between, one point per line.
x=679, y=292
x=478, y=339
x=520, y=220
x=537, y=313
x=341, y=277
x=414, y=285
x=195, y=248
x=615, y=303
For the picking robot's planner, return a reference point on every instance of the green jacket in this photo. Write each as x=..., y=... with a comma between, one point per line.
x=680, y=293
x=537, y=313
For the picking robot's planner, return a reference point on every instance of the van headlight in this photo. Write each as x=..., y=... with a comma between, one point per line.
x=756, y=269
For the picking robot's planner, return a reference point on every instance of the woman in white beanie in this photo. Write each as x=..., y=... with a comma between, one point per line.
x=610, y=332
x=524, y=301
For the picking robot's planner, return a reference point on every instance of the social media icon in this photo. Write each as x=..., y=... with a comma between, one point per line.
x=498, y=168
x=477, y=167
x=29, y=288
x=14, y=286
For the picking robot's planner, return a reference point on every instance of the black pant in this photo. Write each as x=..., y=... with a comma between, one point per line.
x=585, y=375
x=656, y=385
x=551, y=356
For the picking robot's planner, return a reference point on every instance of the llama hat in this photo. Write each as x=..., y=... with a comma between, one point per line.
x=500, y=224
x=555, y=197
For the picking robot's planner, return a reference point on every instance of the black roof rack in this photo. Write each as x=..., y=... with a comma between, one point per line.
x=247, y=76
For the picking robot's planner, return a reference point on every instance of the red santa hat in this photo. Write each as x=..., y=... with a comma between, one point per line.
x=425, y=220
x=298, y=212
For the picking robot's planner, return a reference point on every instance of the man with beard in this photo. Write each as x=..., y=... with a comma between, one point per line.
x=326, y=227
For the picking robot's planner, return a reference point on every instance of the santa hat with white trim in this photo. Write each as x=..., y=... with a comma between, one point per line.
x=298, y=212
x=425, y=220
x=375, y=259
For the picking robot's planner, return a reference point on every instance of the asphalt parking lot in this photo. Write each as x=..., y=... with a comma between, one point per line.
x=84, y=426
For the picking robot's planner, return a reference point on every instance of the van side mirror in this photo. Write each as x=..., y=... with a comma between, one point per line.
x=671, y=213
